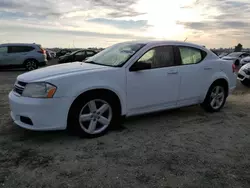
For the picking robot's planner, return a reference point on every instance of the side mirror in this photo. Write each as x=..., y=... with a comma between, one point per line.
x=140, y=66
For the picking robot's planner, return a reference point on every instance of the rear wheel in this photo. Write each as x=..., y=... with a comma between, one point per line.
x=31, y=64
x=216, y=98
x=93, y=115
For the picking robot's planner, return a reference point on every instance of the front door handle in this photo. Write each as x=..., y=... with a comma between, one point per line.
x=174, y=72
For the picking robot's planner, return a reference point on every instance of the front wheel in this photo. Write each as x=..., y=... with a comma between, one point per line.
x=92, y=116
x=215, y=99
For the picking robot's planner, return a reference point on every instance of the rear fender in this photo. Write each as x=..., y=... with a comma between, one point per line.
x=216, y=76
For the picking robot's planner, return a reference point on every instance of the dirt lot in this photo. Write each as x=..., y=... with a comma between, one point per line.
x=180, y=148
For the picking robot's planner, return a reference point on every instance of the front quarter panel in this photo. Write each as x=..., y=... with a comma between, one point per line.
x=75, y=84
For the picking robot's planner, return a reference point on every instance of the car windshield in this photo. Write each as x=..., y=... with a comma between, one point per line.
x=234, y=54
x=115, y=55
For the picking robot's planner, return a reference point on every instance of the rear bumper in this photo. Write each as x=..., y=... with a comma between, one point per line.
x=231, y=89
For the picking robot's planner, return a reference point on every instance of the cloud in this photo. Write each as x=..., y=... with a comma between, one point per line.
x=228, y=15
x=24, y=29
x=62, y=7
x=74, y=15
x=123, y=24
x=215, y=25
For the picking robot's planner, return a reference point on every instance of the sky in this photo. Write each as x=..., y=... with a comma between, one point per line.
x=101, y=23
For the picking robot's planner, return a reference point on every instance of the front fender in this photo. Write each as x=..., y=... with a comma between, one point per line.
x=80, y=84
x=115, y=89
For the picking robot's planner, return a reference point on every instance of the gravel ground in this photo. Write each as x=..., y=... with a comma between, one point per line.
x=179, y=148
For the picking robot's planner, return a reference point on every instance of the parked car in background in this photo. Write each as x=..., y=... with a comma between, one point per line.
x=29, y=56
x=213, y=51
x=244, y=74
x=79, y=55
x=236, y=57
x=49, y=56
x=63, y=52
x=51, y=53
x=245, y=61
x=125, y=79
x=223, y=54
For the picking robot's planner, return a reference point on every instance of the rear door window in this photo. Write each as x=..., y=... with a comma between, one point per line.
x=3, y=50
x=191, y=55
x=20, y=49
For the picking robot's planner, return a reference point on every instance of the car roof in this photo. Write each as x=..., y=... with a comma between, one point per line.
x=20, y=44
x=166, y=42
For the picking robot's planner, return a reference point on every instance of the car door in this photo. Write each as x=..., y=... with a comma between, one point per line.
x=4, y=55
x=195, y=73
x=80, y=56
x=17, y=54
x=156, y=87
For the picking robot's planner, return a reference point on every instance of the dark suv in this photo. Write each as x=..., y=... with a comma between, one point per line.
x=79, y=55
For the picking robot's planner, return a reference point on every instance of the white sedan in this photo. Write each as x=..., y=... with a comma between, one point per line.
x=126, y=79
x=244, y=74
x=245, y=61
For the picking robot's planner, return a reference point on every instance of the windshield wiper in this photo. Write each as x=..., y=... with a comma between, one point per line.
x=92, y=62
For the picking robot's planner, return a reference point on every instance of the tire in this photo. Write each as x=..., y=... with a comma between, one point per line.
x=246, y=82
x=215, y=98
x=91, y=109
x=30, y=64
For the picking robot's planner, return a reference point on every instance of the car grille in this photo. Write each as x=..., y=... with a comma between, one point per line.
x=240, y=76
x=19, y=87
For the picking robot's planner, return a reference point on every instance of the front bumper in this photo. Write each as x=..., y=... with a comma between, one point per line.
x=45, y=114
x=242, y=76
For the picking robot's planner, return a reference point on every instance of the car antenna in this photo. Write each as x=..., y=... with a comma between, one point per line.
x=185, y=39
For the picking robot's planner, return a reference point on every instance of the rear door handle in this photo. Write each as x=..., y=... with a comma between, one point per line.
x=207, y=68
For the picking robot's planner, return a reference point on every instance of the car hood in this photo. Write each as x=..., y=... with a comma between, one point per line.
x=60, y=69
x=246, y=66
x=229, y=58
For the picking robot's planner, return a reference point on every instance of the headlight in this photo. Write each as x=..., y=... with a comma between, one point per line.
x=247, y=71
x=39, y=90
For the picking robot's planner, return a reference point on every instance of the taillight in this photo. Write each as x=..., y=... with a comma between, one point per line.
x=233, y=67
x=42, y=51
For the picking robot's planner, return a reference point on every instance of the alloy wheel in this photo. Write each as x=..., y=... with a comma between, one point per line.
x=217, y=97
x=95, y=116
